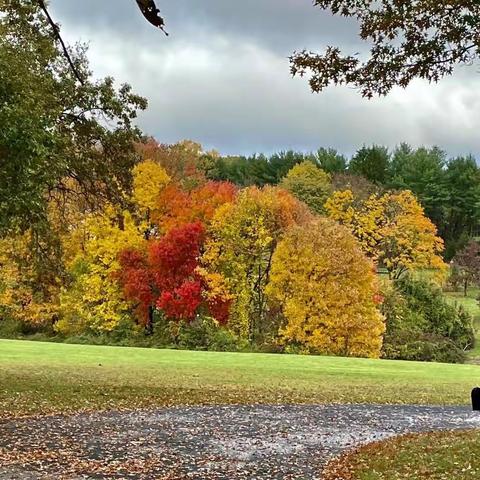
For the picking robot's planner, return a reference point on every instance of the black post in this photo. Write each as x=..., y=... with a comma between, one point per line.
x=476, y=399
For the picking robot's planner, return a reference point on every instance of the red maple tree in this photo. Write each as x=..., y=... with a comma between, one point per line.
x=165, y=277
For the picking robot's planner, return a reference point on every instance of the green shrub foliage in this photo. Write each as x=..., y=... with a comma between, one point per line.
x=422, y=325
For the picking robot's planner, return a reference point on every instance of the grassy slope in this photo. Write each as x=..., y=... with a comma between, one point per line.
x=42, y=378
x=440, y=456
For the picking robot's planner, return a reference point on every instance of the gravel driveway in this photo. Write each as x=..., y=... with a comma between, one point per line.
x=231, y=442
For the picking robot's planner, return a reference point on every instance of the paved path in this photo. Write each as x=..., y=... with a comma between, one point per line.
x=232, y=442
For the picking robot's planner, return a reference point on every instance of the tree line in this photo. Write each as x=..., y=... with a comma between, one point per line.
x=107, y=235
x=447, y=188
x=185, y=261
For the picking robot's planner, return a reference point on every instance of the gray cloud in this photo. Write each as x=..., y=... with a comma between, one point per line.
x=222, y=78
x=275, y=24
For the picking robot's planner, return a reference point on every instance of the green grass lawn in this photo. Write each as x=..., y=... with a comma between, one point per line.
x=46, y=378
x=439, y=456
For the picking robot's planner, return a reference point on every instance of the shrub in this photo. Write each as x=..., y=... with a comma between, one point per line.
x=441, y=318
x=423, y=348
x=204, y=333
x=10, y=328
x=422, y=325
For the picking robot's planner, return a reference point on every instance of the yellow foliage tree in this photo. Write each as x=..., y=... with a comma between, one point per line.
x=327, y=290
x=410, y=238
x=94, y=300
x=33, y=264
x=365, y=219
x=28, y=293
x=242, y=238
x=392, y=229
x=149, y=179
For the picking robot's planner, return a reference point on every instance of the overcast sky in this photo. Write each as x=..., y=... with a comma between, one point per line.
x=222, y=78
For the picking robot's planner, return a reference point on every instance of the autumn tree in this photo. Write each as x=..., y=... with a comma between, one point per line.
x=327, y=291
x=165, y=276
x=242, y=238
x=416, y=39
x=467, y=265
x=93, y=301
x=309, y=184
x=364, y=218
x=176, y=206
x=392, y=230
x=357, y=184
x=410, y=237
x=180, y=160
x=31, y=279
x=35, y=264
x=149, y=179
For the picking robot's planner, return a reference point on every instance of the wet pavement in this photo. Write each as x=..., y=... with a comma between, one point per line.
x=228, y=443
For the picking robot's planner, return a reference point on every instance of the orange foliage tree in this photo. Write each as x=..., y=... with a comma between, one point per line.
x=176, y=207
x=180, y=160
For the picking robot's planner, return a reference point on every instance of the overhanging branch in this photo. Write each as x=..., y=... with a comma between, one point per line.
x=56, y=32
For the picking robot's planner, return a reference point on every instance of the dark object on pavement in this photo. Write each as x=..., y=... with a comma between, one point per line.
x=476, y=399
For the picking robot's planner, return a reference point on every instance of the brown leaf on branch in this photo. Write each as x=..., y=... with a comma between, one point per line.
x=152, y=13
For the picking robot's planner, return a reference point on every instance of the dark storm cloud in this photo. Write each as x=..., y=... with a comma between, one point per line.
x=280, y=25
x=222, y=78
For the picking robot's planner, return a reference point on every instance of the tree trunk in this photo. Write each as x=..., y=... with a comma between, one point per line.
x=149, y=325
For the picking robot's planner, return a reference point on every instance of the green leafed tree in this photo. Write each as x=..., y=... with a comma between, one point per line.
x=449, y=190
x=422, y=172
x=331, y=161
x=309, y=184
x=372, y=163
x=462, y=219
x=54, y=128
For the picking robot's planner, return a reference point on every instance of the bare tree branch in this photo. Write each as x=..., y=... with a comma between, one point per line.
x=56, y=32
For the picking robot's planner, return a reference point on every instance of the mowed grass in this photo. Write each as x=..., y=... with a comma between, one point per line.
x=439, y=456
x=43, y=378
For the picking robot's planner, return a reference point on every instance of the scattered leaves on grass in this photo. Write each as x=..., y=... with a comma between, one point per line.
x=432, y=456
